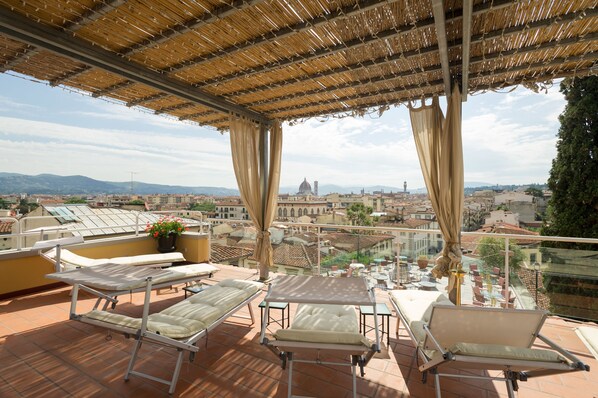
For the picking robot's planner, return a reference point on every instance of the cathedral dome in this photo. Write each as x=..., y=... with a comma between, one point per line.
x=305, y=188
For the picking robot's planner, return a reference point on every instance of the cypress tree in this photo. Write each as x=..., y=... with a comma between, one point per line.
x=573, y=207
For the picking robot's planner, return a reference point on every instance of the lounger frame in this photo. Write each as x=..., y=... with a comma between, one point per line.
x=309, y=290
x=514, y=370
x=143, y=335
x=111, y=296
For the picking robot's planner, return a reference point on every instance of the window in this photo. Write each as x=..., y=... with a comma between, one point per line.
x=279, y=212
x=299, y=212
x=532, y=258
x=285, y=212
x=292, y=212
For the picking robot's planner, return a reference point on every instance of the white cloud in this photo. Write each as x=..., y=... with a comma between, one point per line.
x=508, y=138
x=41, y=147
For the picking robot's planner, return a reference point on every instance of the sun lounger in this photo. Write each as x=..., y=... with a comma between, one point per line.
x=112, y=280
x=67, y=260
x=179, y=326
x=449, y=338
x=325, y=321
x=589, y=336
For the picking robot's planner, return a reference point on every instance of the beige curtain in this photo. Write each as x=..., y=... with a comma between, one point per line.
x=439, y=147
x=261, y=206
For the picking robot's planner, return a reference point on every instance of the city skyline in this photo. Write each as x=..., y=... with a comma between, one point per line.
x=508, y=138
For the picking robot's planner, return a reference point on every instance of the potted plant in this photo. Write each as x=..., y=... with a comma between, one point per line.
x=166, y=230
x=422, y=261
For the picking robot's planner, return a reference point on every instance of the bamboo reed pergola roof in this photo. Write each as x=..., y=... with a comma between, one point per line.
x=200, y=60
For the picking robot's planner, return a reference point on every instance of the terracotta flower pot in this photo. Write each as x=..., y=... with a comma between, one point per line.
x=166, y=244
x=422, y=263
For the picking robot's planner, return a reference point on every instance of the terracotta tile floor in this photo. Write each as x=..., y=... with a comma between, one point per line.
x=43, y=354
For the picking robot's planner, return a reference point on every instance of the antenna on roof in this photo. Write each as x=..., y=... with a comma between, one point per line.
x=132, y=174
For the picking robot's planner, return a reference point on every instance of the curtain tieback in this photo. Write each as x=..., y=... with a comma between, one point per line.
x=263, y=234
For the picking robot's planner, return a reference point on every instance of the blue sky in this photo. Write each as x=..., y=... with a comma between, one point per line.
x=508, y=138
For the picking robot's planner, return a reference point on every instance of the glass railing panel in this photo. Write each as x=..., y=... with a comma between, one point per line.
x=567, y=282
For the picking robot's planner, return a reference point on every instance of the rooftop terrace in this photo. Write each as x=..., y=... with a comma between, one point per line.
x=44, y=354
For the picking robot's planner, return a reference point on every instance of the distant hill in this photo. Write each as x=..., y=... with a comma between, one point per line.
x=50, y=184
x=325, y=189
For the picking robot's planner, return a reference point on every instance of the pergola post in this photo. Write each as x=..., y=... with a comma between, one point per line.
x=263, y=170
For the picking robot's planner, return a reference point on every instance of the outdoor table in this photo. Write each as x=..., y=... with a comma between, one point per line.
x=383, y=312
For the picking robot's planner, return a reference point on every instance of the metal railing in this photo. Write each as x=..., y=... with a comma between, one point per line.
x=20, y=232
x=514, y=255
x=526, y=280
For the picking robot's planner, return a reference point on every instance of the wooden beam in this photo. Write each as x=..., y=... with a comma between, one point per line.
x=192, y=24
x=92, y=14
x=542, y=65
x=113, y=88
x=440, y=24
x=424, y=51
x=355, y=97
x=208, y=17
x=26, y=53
x=366, y=105
x=174, y=108
x=69, y=75
x=194, y=115
x=466, y=40
x=522, y=79
x=353, y=9
x=101, y=9
x=386, y=78
x=355, y=43
x=23, y=29
x=345, y=85
x=147, y=99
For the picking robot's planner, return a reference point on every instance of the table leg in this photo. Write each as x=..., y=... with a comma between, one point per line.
x=388, y=331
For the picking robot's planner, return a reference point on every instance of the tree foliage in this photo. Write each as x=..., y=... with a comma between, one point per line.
x=25, y=207
x=343, y=259
x=492, y=253
x=573, y=207
x=4, y=204
x=535, y=192
x=136, y=202
x=75, y=200
x=359, y=214
x=203, y=206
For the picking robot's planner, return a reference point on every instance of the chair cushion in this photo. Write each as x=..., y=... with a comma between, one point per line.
x=506, y=352
x=324, y=323
x=72, y=260
x=416, y=305
x=192, y=315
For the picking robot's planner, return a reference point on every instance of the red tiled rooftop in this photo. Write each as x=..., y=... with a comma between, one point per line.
x=43, y=354
x=6, y=227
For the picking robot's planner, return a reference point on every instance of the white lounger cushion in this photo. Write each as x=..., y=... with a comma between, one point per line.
x=119, y=277
x=72, y=260
x=416, y=305
x=192, y=315
x=324, y=323
x=506, y=352
x=589, y=336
